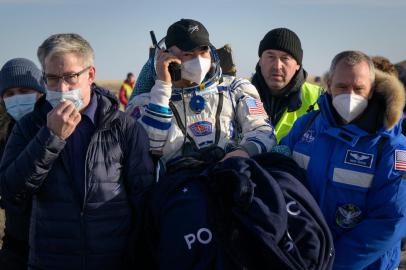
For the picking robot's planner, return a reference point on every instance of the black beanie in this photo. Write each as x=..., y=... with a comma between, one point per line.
x=21, y=72
x=282, y=39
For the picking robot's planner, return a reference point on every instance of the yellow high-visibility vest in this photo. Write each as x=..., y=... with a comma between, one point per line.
x=128, y=90
x=310, y=94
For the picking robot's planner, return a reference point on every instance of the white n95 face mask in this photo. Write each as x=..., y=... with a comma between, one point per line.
x=55, y=97
x=19, y=105
x=349, y=106
x=195, y=70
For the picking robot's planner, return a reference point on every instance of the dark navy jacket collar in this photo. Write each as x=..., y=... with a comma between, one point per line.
x=91, y=109
x=291, y=100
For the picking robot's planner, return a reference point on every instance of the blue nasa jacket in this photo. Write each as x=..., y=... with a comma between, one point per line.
x=354, y=172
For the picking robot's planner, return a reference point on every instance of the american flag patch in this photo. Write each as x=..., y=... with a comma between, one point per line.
x=400, y=160
x=255, y=107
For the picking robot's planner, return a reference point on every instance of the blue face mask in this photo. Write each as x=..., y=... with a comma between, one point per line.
x=55, y=97
x=19, y=105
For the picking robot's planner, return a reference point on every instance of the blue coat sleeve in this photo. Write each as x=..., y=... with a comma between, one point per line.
x=384, y=223
x=27, y=160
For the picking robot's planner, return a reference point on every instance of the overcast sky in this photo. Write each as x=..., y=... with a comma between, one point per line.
x=119, y=30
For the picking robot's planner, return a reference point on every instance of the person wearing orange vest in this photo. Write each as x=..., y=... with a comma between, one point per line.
x=127, y=88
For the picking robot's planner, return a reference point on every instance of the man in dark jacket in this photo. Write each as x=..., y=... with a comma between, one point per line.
x=85, y=162
x=281, y=79
x=21, y=85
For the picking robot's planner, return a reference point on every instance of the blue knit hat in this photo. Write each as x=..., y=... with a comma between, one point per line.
x=21, y=72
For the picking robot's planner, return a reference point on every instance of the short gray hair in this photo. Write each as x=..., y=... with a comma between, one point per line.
x=352, y=58
x=60, y=44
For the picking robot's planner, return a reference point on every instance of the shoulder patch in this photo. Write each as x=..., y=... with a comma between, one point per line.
x=255, y=107
x=400, y=160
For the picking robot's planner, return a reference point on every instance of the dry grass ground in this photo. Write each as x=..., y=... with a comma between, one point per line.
x=114, y=85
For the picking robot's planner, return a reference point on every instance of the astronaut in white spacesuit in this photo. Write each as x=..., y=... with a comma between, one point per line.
x=196, y=107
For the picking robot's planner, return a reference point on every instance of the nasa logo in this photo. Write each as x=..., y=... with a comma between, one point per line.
x=308, y=136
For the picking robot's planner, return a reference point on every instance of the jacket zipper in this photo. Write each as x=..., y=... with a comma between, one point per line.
x=82, y=218
x=82, y=213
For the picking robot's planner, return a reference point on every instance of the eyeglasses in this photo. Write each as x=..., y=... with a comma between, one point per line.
x=71, y=79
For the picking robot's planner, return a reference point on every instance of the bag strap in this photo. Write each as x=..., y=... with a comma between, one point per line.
x=217, y=119
x=218, y=113
x=181, y=125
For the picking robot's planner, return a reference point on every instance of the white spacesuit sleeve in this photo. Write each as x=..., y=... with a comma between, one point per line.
x=257, y=134
x=153, y=112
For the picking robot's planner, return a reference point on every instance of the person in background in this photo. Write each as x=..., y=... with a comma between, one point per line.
x=354, y=156
x=401, y=73
x=85, y=164
x=383, y=64
x=227, y=64
x=126, y=89
x=21, y=85
x=281, y=80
